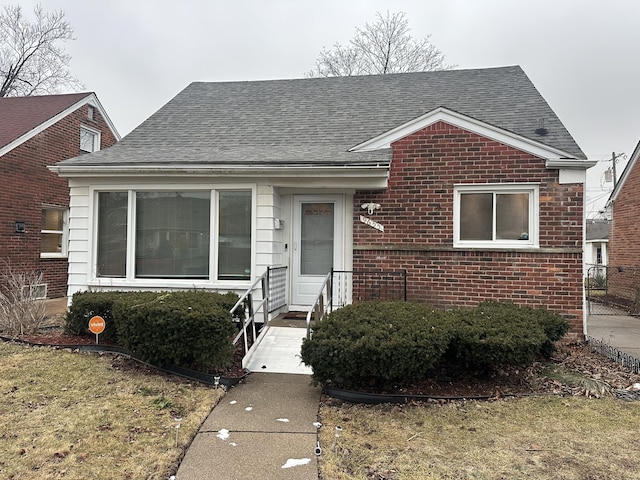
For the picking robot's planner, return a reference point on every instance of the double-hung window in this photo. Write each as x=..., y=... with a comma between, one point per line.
x=168, y=234
x=496, y=215
x=53, y=235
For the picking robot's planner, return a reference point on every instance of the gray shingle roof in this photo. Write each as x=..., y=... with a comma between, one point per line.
x=315, y=121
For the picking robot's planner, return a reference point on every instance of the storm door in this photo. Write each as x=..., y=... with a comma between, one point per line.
x=317, y=244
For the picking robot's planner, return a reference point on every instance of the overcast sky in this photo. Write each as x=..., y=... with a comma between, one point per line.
x=582, y=55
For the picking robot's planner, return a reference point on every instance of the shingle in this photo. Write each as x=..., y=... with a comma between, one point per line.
x=317, y=120
x=20, y=115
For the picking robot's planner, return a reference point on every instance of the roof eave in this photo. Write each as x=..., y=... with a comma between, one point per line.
x=443, y=114
x=570, y=163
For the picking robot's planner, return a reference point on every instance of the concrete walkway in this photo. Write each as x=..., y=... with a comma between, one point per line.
x=262, y=428
x=616, y=330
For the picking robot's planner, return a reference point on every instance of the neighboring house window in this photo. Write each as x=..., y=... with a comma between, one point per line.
x=599, y=255
x=89, y=140
x=496, y=215
x=171, y=234
x=53, y=233
x=90, y=112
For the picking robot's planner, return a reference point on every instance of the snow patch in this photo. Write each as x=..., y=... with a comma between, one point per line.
x=233, y=402
x=223, y=434
x=283, y=420
x=296, y=462
x=248, y=409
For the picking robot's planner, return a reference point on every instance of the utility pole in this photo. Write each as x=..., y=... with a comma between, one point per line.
x=614, y=159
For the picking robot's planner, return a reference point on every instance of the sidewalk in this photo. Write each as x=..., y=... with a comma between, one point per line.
x=262, y=428
x=618, y=330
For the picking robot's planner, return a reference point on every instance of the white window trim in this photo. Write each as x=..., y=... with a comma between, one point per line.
x=65, y=235
x=130, y=280
x=96, y=138
x=534, y=214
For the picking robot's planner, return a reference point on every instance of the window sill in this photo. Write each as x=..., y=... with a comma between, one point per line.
x=496, y=246
x=54, y=255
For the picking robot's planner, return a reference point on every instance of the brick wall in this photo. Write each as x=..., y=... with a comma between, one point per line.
x=417, y=215
x=624, y=245
x=28, y=186
x=624, y=240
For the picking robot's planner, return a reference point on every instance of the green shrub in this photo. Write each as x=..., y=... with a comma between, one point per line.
x=502, y=333
x=85, y=305
x=378, y=343
x=388, y=343
x=191, y=329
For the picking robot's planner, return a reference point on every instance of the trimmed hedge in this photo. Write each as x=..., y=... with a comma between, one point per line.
x=385, y=343
x=85, y=305
x=495, y=334
x=190, y=329
x=376, y=343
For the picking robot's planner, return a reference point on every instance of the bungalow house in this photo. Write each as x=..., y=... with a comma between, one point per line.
x=37, y=132
x=466, y=180
x=624, y=247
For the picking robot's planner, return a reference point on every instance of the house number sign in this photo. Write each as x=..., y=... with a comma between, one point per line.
x=371, y=223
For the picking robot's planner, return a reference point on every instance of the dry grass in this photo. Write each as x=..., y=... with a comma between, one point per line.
x=80, y=416
x=536, y=437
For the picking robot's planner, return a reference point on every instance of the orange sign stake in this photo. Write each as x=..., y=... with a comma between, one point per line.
x=96, y=325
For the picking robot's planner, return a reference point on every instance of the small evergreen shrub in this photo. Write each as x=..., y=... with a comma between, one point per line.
x=85, y=305
x=387, y=343
x=502, y=333
x=485, y=339
x=376, y=343
x=191, y=329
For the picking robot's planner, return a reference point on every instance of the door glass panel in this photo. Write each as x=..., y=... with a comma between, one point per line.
x=316, y=239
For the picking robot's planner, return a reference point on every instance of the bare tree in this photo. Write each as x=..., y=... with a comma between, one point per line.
x=382, y=47
x=31, y=60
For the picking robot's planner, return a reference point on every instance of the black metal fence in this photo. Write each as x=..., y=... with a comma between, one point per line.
x=612, y=353
x=365, y=285
x=613, y=290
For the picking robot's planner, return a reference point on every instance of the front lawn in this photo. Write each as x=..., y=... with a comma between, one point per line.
x=80, y=416
x=569, y=438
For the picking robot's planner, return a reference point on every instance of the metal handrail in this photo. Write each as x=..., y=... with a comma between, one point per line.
x=251, y=310
x=246, y=300
x=320, y=308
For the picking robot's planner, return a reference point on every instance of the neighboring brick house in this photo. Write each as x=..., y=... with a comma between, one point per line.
x=35, y=133
x=465, y=179
x=624, y=233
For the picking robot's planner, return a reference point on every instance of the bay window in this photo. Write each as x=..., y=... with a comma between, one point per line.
x=496, y=215
x=168, y=234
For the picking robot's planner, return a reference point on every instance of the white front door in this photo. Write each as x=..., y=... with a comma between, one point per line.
x=317, y=244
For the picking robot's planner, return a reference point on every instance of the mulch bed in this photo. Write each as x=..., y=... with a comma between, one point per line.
x=575, y=357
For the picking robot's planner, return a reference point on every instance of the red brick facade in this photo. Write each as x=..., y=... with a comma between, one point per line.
x=623, y=274
x=417, y=215
x=624, y=247
x=28, y=186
